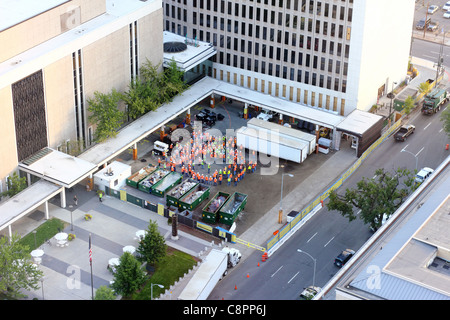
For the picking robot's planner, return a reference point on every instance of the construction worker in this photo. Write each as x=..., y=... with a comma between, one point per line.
x=229, y=181
x=235, y=181
x=220, y=179
x=215, y=181
x=209, y=168
x=159, y=162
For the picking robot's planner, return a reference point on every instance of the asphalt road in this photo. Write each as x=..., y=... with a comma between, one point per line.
x=284, y=275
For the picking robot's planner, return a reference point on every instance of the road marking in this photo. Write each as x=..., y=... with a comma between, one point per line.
x=427, y=126
x=359, y=211
x=441, y=130
x=328, y=242
x=293, y=277
x=419, y=151
x=425, y=55
x=276, y=271
x=311, y=237
x=405, y=147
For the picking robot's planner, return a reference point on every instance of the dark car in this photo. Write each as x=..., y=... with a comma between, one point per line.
x=201, y=116
x=343, y=257
x=210, y=114
x=422, y=24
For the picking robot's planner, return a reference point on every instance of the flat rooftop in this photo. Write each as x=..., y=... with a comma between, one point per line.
x=13, y=12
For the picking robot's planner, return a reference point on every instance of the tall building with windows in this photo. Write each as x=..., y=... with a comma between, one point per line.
x=54, y=55
x=335, y=55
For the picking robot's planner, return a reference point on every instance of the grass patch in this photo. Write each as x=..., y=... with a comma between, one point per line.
x=174, y=265
x=44, y=232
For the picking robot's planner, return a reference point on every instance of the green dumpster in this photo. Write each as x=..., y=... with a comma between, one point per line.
x=175, y=194
x=231, y=209
x=194, y=197
x=147, y=183
x=165, y=184
x=209, y=212
x=137, y=177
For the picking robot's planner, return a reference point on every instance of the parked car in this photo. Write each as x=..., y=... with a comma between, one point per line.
x=423, y=174
x=343, y=257
x=432, y=9
x=447, y=14
x=446, y=6
x=422, y=24
x=309, y=292
x=433, y=26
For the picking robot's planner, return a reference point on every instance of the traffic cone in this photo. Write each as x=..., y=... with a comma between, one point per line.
x=235, y=287
x=248, y=275
x=446, y=147
x=258, y=264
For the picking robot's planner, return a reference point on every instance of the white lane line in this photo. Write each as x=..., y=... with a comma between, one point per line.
x=441, y=130
x=311, y=237
x=359, y=211
x=405, y=147
x=425, y=55
x=276, y=271
x=427, y=126
x=419, y=151
x=293, y=277
x=328, y=242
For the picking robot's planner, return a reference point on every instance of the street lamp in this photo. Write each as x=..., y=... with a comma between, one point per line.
x=314, y=274
x=151, y=289
x=280, y=213
x=403, y=150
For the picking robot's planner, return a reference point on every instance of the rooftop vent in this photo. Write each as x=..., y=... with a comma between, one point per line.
x=174, y=46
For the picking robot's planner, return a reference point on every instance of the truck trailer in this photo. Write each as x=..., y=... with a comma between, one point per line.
x=272, y=144
x=211, y=270
x=433, y=101
x=286, y=132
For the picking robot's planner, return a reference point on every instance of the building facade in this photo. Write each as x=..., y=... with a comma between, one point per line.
x=55, y=55
x=335, y=55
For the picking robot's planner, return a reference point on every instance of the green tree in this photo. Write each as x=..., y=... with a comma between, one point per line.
x=409, y=105
x=173, y=82
x=424, y=87
x=15, y=185
x=374, y=197
x=445, y=118
x=129, y=275
x=17, y=271
x=104, y=293
x=105, y=114
x=152, y=248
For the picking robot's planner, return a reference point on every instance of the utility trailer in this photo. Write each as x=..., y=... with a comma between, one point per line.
x=194, y=197
x=176, y=193
x=272, y=144
x=231, y=209
x=165, y=184
x=147, y=183
x=137, y=177
x=210, y=211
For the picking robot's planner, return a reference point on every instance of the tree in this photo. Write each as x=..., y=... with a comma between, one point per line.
x=152, y=247
x=445, y=118
x=382, y=194
x=15, y=185
x=17, y=271
x=424, y=87
x=409, y=105
x=129, y=275
x=104, y=293
x=105, y=114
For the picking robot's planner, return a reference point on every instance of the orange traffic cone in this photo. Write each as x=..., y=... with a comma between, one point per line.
x=248, y=275
x=258, y=264
x=235, y=287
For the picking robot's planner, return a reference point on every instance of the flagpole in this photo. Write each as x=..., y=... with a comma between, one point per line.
x=90, y=262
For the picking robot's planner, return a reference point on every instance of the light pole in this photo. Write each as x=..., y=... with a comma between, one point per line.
x=314, y=274
x=280, y=213
x=151, y=289
x=391, y=96
x=403, y=150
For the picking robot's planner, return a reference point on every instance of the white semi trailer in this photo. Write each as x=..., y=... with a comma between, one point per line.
x=211, y=270
x=285, y=132
x=272, y=144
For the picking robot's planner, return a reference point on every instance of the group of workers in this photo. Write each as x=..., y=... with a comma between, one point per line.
x=202, y=151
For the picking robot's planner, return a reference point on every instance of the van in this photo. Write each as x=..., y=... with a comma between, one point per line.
x=423, y=174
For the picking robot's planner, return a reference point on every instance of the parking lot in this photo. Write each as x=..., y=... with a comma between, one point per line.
x=443, y=24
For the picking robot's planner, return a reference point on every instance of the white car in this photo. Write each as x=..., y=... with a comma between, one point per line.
x=446, y=6
x=447, y=14
x=310, y=292
x=423, y=174
x=432, y=9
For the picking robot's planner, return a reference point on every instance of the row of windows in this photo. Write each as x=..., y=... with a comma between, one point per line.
x=306, y=6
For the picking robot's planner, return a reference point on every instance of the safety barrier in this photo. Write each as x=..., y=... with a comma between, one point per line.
x=291, y=226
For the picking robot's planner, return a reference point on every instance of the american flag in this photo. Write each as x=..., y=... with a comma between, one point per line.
x=90, y=250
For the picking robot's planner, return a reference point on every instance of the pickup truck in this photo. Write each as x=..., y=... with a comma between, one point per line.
x=403, y=132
